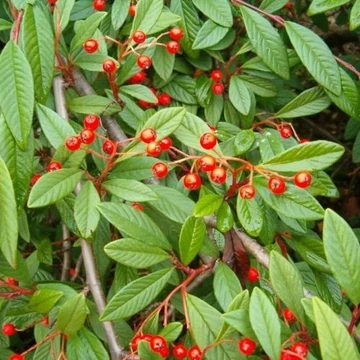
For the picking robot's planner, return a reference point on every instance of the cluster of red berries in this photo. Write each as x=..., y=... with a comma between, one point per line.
x=52, y=166
x=297, y=351
x=288, y=316
x=218, y=87
x=163, y=99
x=153, y=147
x=157, y=344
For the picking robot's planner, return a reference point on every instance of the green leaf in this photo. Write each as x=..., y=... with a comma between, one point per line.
x=272, y=6
x=130, y=190
x=38, y=44
x=16, y=93
x=218, y=11
x=145, y=351
x=342, y=251
x=163, y=62
x=119, y=13
x=86, y=214
x=53, y=186
x=8, y=218
x=239, y=95
x=287, y=283
x=191, y=238
x=93, y=104
x=139, y=92
x=90, y=62
x=209, y=35
x=226, y=285
x=316, y=56
x=147, y=14
x=265, y=323
x=309, y=102
x=355, y=16
x=270, y=144
x=208, y=205
x=294, y=203
x=250, y=215
x=55, y=128
x=224, y=218
x=135, y=253
x=136, y=295
x=5, y=25
x=266, y=42
x=314, y=155
x=172, y=331
x=260, y=86
x=44, y=300
x=335, y=341
x=62, y=13
x=166, y=19
x=134, y=223
x=72, y=315
x=182, y=88
x=320, y=6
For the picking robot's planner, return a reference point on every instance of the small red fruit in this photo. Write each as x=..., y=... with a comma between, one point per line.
x=137, y=206
x=164, y=99
x=173, y=47
x=139, y=37
x=73, y=143
x=138, y=78
x=217, y=75
x=194, y=353
x=45, y=321
x=148, y=135
x=144, y=104
x=53, y=166
x=109, y=66
x=135, y=342
x=192, y=181
x=304, y=140
x=247, y=192
x=99, y=5
x=302, y=179
x=132, y=10
x=285, y=131
x=16, y=357
x=34, y=179
x=87, y=136
x=218, y=88
x=160, y=170
x=288, y=315
x=286, y=356
x=277, y=185
x=247, y=346
x=52, y=2
x=176, y=33
x=91, y=122
x=144, y=62
x=72, y=272
x=90, y=46
x=153, y=149
x=253, y=275
x=300, y=349
x=218, y=175
x=12, y=281
x=8, y=329
x=157, y=343
x=206, y=163
x=165, y=143
x=288, y=5
x=179, y=351
x=108, y=147
x=208, y=141
x=164, y=352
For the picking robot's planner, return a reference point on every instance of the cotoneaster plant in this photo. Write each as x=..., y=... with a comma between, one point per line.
x=157, y=200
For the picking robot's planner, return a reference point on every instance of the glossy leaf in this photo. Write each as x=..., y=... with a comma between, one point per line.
x=93, y=104
x=224, y=218
x=62, y=13
x=250, y=215
x=208, y=205
x=163, y=62
x=119, y=13
x=320, y=6
x=147, y=14
x=209, y=35
x=239, y=95
x=218, y=11
x=272, y=6
x=139, y=92
x=355, y=16
x=44, y=300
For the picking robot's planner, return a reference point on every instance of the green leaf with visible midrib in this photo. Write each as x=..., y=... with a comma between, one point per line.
x=250, y=215
x=239, y=95
x=16, y=93
x=139, y=92
x=218, y=11
x=62, y=13
x=320, y=6
x=355, y=16
x=147, y=14
x=119, y=13
x=316, y=56
x=208, y=205
x=209, y=34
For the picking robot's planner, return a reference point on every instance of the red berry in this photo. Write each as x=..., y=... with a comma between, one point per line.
x=218, y=175
x=12, y=281
x=218, y=88
x=148, y=135
x=135, y=342
x=53, y=166
x=194, y=353
x=176, y=33
x=144, y=104
x=45, y=321
x=90, y=46
x=34, y=179
x=153, y=149
x=138, y=78
x=164, y=99
x=247, y=346
x=160, y=170
x=52, y=2
x=16, y=357
x=277, y=185
x=157, y=343
x=253, y=275
x=208, y=141
x=72, y=272
x=108, y=147
x=247, y=192
x=165, y=143
x=99, y=5
x=173, y=47
x=206, y=163
x=179, y=351
x=285, y=131
x=8, y=329
x=303, y=179
x=91, y=122
x=132, y=10
x=192, y=181
x=300, y=349
x=73, y=143
x=302, y=141
x=109, y=66
x=144, y=62
x=288, y=5
x=217, y=75
x=87, y=136
x=139, y=37
x=289, y=317
x=137, y=206
x=164, y=352
x=286, y=356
